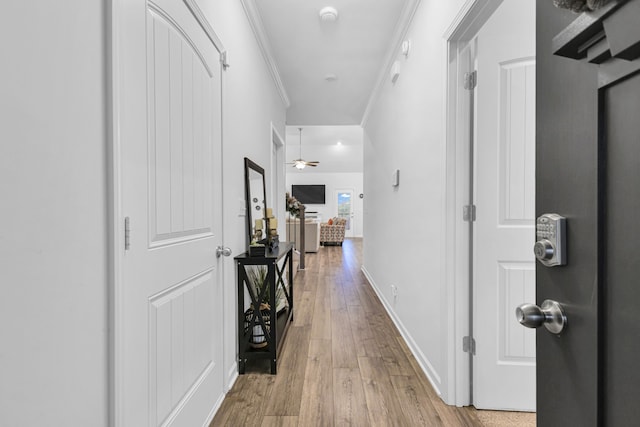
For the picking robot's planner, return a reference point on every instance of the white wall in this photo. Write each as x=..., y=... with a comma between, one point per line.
x=251, y=105
x=54, y=255
x=53, y=238
x=406, y=130
x=333, y=182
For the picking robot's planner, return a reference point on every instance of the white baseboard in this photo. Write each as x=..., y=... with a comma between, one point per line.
x=422, y=360
x=214, y=410
x=232, y=376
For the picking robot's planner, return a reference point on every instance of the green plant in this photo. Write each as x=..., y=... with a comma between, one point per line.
x=257, y=276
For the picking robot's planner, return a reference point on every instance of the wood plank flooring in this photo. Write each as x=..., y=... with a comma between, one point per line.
x=343, y=362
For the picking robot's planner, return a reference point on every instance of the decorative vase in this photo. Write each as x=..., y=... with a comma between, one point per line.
x=258, y=335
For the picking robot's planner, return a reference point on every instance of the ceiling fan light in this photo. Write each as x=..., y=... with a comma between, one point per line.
x=299, y=163
x=328, y=14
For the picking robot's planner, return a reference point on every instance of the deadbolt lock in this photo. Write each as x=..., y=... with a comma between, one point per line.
x=550, y=248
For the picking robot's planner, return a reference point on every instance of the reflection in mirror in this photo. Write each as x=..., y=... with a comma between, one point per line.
x=256, y=201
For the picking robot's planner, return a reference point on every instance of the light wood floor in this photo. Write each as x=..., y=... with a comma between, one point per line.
x=343, y=361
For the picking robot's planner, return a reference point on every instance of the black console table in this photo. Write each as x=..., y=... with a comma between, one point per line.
x=268, y=281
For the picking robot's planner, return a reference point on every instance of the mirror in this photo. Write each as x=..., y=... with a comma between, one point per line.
x=256, y=196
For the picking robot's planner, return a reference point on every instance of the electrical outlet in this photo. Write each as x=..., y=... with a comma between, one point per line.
x=394, y=290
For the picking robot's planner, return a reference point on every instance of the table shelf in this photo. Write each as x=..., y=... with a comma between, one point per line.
x=275, y=270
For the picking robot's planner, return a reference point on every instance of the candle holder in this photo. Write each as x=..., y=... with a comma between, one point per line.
x=273, y=240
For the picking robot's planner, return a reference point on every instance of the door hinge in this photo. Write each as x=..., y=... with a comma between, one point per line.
x=223, y=60
x=469, y=213
x=469, y=345
x=127, y=234
x=470, y=80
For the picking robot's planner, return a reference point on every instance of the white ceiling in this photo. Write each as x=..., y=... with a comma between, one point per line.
x=356, y=48
x=302, y=50
x=321, y=143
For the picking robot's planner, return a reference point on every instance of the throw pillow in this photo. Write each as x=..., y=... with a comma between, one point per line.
x=330, y=222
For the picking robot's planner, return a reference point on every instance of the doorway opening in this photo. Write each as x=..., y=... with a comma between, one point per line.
x=277, y=192
x=491, y=196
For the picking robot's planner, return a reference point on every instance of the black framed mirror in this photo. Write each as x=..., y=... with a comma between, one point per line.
x=256, y=196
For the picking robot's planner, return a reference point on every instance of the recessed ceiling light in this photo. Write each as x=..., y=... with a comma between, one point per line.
x=331, y=77
x=328, y=14
x=339, y=142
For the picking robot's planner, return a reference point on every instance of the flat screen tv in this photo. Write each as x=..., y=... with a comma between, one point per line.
x=309, y=194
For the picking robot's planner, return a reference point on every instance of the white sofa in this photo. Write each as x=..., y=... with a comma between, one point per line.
x=311, y=234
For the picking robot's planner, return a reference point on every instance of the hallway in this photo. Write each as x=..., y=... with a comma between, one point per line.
x=343, y=362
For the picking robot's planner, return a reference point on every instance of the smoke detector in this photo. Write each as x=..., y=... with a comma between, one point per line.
x=328, y=14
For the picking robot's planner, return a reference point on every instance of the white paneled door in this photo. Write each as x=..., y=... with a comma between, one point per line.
x=504, y=269
x=168, y=306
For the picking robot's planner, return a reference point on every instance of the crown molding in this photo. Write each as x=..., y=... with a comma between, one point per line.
x=257, y=26
x=404, y=22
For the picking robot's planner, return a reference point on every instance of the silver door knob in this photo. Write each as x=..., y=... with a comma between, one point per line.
x=222, y=251
x=550, y=314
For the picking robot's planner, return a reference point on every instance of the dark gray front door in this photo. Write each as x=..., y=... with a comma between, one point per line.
x=588, y=170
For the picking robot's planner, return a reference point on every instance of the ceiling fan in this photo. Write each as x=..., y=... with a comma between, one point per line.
x=300, y=163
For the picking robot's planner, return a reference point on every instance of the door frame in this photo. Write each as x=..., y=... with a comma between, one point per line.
x=465, y=26
x=278, y=178
x=116, y=13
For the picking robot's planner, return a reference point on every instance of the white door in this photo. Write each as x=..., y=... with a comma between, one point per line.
x=504, y=269
x=168, y=332
x=344, y=203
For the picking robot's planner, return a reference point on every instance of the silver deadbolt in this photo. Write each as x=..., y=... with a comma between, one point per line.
x=550, y=248
x=222, y=251
x=544, y=250
x=550, y=314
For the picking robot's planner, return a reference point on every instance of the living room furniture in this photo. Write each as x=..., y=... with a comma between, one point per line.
x=311, y=234
x=274, y=297
x=333, y=232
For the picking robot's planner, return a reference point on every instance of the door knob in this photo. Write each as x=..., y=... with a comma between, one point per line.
x=223, y=251
x=550, y=314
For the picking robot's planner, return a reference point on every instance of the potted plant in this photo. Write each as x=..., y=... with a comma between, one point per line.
x=257, y=281
x=293, y=206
